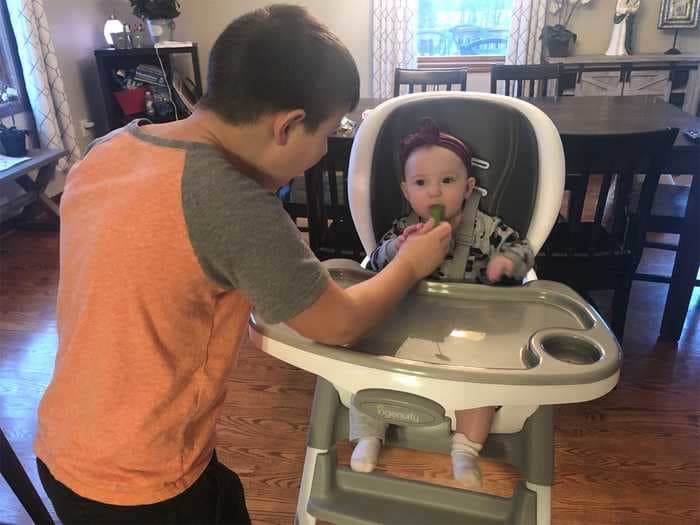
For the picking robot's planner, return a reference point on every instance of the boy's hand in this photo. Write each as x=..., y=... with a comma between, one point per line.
x=499, y=266
x=408, y=231
x=424, y=249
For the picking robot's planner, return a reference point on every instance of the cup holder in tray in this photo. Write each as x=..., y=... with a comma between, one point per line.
x=574, y=350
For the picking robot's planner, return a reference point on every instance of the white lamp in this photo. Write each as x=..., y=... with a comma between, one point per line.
x=112, y=26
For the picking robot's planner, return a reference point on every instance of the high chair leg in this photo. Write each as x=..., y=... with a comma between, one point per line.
x=319, y=441
x=302, y=515
x=544, y=502
x=539, y=470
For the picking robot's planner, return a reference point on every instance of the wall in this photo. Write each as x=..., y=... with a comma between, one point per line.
x=593, y=25
x=76, y=28
x=349, y=19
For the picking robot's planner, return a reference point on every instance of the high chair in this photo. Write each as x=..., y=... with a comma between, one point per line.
x=452, y=346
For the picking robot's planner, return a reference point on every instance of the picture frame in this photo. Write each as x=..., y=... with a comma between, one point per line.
x=678, y=14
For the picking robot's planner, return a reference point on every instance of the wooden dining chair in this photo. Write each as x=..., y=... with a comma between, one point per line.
x=332, y=233
x=293, y=197
x=597, y=243
x=675, y=211
x=14, y=474
x=527, y=80
x=667, y=215
x=423, y=79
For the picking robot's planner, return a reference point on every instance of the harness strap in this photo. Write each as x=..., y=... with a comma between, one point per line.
x=465, y=238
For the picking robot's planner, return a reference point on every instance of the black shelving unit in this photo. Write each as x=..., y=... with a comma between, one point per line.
x=109, y=59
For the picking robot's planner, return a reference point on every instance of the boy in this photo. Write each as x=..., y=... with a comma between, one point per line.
x=169, y=234
x=437, y=172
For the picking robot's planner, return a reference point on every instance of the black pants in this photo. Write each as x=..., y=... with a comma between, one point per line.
x=216, y=497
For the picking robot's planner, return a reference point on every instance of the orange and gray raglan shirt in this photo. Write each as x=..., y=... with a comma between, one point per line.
x=164, y=247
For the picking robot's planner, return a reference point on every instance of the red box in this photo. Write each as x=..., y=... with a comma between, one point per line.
x=131, y=101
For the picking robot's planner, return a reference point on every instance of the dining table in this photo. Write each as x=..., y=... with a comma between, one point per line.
x=602, y=115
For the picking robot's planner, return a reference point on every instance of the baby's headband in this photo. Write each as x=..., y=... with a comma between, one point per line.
x=429, y=134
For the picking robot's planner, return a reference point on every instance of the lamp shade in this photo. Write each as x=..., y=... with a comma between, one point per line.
x=112, y=26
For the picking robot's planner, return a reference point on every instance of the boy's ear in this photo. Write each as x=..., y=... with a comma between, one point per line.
x=284, y=122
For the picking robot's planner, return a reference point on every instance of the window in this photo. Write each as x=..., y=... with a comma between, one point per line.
x=454, y=33
x=12, y=94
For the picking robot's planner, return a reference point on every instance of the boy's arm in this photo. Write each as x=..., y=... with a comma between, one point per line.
x=340, y=316
x=245, y=241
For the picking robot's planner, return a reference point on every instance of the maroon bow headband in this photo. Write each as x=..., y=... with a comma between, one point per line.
x=429, y=134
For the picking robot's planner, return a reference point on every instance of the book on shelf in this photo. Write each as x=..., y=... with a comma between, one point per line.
x=183, y=92
x=149, y=74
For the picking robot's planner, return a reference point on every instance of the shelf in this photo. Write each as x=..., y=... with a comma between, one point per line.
x=143, y=51
x=109, y=59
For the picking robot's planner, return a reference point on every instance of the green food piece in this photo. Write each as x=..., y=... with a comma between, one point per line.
x=436, y=212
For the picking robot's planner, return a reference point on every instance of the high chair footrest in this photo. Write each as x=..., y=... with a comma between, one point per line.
x=344, y=497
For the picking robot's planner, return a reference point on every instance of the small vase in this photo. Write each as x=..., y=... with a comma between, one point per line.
x=160, y=29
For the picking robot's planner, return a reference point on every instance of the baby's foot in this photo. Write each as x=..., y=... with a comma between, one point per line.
x=364, y=457
x=465, y=467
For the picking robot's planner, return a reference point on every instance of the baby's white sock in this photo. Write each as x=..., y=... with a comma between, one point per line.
x=465, y=467
x=364, y=457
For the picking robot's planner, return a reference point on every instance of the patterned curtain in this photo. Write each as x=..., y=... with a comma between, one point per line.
x=43, y=79
x=394, y=24
x=524, y=44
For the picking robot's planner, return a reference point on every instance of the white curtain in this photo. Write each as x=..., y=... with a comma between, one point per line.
x=43, y=79
x=524, y=44
x=394, y=24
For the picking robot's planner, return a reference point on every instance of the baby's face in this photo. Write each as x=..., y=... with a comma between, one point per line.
x=435, y=175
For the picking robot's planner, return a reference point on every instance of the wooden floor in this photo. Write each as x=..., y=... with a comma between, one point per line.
x=630, y=458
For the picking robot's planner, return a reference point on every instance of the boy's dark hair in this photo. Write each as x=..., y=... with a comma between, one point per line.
x=279, y=58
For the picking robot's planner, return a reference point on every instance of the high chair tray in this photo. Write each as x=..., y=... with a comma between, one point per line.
x=541, y=333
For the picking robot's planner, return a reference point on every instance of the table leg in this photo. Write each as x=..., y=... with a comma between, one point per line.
x=685, y=269
x=39, y=187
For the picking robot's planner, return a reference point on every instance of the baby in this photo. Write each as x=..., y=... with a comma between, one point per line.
x=437, y=178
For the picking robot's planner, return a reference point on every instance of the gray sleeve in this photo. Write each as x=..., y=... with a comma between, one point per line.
x=386, y=248
x=244, y=239
x=382, y=255
x=504, y=240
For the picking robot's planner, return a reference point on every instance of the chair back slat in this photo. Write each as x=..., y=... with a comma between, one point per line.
x=577, y=185
x=437, y=79
x=332, y=184
x=532, y=74
x=331, y=229
x=599, y=213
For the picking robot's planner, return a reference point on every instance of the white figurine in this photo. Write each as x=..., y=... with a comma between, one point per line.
x=621, y=38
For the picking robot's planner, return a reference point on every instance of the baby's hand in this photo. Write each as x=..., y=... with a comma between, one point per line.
x=497, y=267
x=408, y=231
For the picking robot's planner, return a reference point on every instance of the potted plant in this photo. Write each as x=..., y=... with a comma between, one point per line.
x=558, y=39
x=158, y=15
